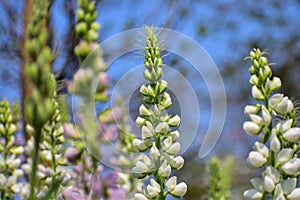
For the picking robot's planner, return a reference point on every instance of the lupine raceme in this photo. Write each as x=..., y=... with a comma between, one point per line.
x=273, y=120
x=157, y=138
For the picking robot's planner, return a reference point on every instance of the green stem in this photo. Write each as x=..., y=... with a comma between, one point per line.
x=37, y=139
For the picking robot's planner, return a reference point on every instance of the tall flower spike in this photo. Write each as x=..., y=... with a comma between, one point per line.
x=157, y=137
x=277, y=147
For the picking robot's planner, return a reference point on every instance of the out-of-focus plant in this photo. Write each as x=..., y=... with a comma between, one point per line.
x=157, y=136
x=220, y=179
x=87, y=179
x=274, y=121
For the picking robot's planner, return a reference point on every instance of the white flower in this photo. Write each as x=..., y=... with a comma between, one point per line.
x=154, y=152
x=257, y=94
x=151, y=191
x=139, y=121
x=175, y=135
x=146, y=133
x=273, y=174
x=269, y=184
x=292, y=166
x=139, y=196
x=165, y=170
x=2, y=181
x=174, y=121
x=162, y=127
x=284, y=155
x=292, y=135
x=261, y=148
x=275, y=84
x=275, y=100
x=256, y=119
x=288, y=185
x=144, y=111
x=256, y=160
x=179, y=190
x=285, y=106
x=141, y=167
x=251, y=128
x=295, y=194
x=174, y=148
x=258, y=184
x=286, y=125
x=251, y=110
x=155, y=185
x=275, y=144
x=252, y=195
x=266, y=116
x=178, y=162
x=139, y=145
x=171, y=183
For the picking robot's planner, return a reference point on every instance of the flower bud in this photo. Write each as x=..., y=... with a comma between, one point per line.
x=261, y=148
x=285, y=106
x=286, y=125
x=266, y=116
x=269, y=184
x=291, y=167
x=140, y=121
x=175, y=135
x=144, y=111
x=166, y=101
x=275, y=144
x=171, y=183
x=177, y=163
x=146, y=133
x=275, y=84
x=155, y=185
x=139, y=196
x=284, y=155
x=292, y=135
x=251, y=128
x=144, y=90
x=256, y=119
x=252, y=194
x=141, y=167
x=152, y=193
x=162, y=128
x=174, y=121
x=139, y=145
x=154, y=152
x=179, y=190
x=254, y=80
x=251, y=110
x=174, y=148
x=294, y=195
x=275, y=100
x=255, y=159
x=257, y=94
x=164, y=170
x=163, y=86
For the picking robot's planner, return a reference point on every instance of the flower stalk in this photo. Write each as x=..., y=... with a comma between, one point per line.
x=157, y=137
x=274, y=121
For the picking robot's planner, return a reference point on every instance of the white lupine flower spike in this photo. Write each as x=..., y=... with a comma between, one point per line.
x=159, y=140
x=277, y=149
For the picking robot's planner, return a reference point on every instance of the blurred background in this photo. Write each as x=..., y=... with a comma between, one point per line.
x=227, y=30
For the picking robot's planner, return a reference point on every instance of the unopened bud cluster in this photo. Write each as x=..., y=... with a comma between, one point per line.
x=278, y=140
x=157, y=138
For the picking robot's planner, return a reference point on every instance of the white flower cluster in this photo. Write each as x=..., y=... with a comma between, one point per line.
x=278, y=143
x=157, y=136
x=10, y=152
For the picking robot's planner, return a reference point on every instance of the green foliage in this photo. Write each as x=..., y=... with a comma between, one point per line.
x=220, y=179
